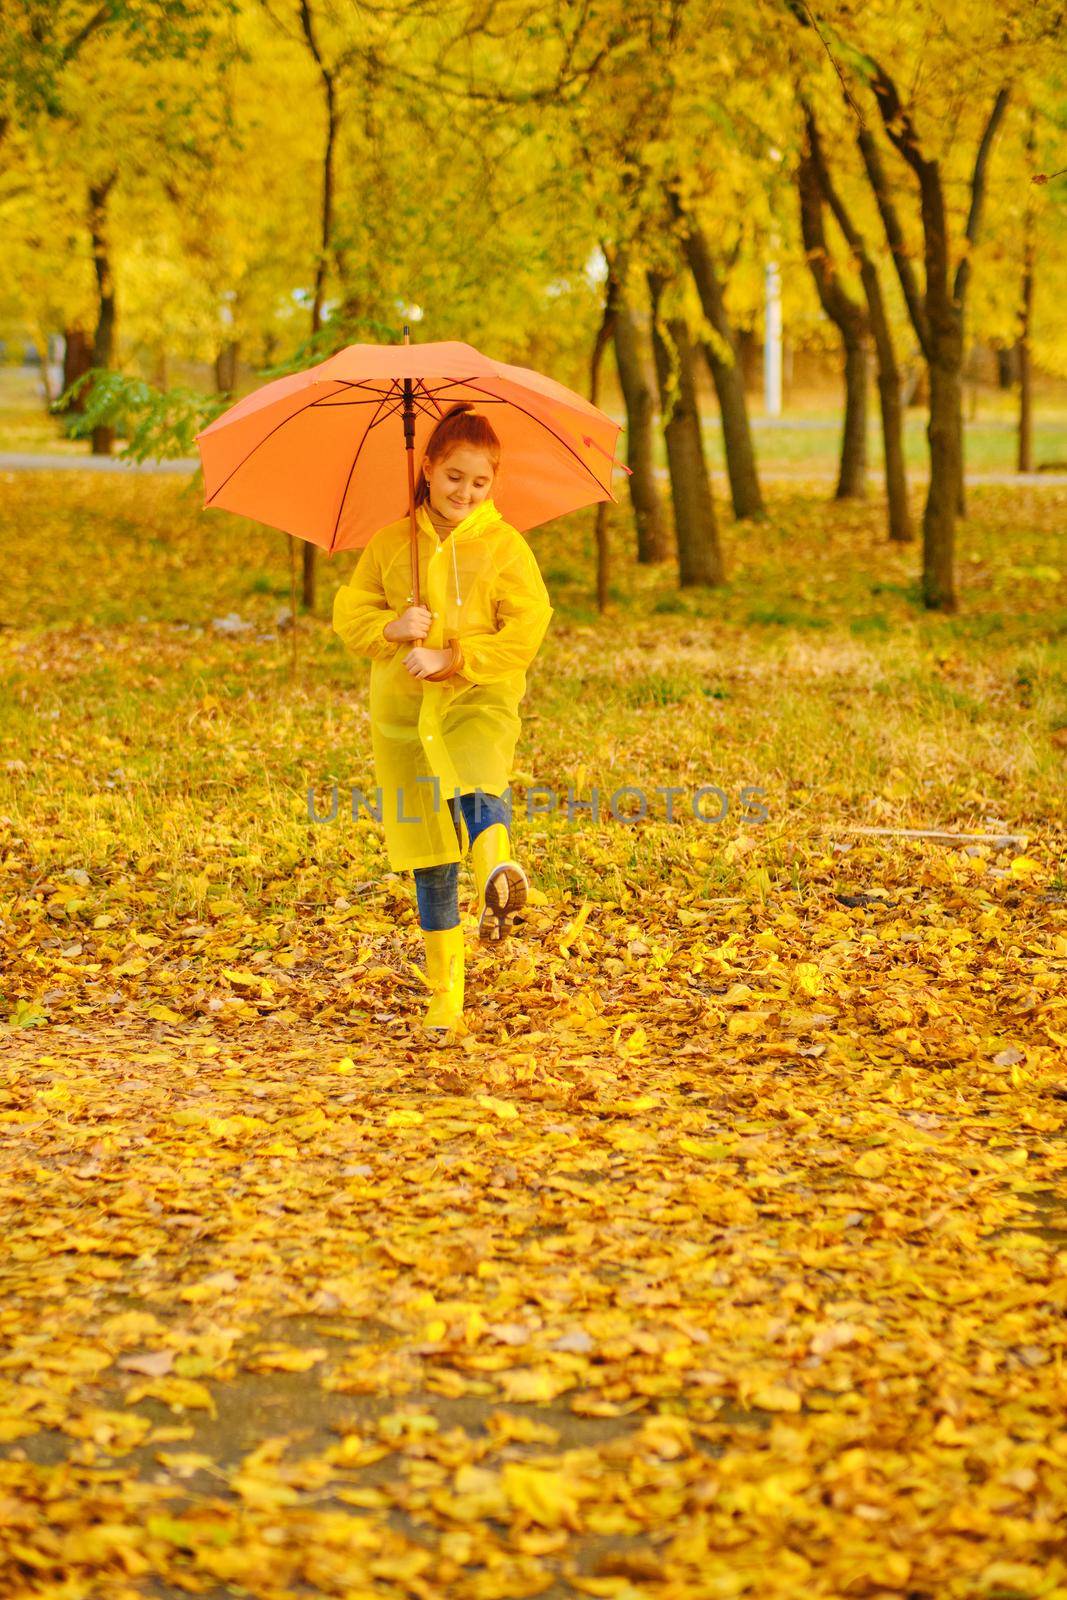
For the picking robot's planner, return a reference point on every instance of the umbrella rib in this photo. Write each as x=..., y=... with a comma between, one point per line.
x=466, y=383
x=380, y=400
x=452, y=383
x=555, y=436
x=431, y=396
x=329, y=405
x=348, y=384
x=393, y=391
x=374, y=398
x=397, y=407
x=348, y=485
x=371, y=400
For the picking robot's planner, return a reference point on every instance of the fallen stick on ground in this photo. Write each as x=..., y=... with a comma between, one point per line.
x=944, y=836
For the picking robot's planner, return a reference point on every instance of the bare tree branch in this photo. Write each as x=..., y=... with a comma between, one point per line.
x=978, y=190
x=913, y=296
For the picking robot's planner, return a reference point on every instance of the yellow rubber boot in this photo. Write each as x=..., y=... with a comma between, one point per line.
x=444, y=974
x=502, y=884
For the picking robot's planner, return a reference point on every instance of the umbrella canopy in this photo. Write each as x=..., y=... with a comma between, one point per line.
x=321, y=453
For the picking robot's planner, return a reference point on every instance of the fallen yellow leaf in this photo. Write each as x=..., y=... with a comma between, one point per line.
x=541, y=1494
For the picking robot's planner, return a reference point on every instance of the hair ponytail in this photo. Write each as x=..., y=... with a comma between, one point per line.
x=461, y=425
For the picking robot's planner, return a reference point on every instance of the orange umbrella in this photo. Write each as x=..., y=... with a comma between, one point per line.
x=317, y=453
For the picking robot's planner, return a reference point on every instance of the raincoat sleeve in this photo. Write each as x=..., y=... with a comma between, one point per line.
x=361, y=611
x=523, y=611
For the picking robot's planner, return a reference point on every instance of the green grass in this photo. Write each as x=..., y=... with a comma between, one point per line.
x=161, y=755
x=989, y=445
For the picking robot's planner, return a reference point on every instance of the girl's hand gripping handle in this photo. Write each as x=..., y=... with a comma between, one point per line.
x=413, y=624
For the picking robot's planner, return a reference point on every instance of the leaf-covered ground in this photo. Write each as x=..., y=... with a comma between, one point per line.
x=724, y=1256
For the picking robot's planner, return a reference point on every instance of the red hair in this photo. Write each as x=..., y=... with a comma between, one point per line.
x=461, y=425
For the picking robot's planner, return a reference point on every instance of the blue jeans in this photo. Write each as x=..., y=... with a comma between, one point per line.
x=437, y=888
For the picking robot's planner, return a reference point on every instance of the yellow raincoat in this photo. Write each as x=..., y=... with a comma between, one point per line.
x=483, y=586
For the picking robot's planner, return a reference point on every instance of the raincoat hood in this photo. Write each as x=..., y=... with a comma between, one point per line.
x=479, y=517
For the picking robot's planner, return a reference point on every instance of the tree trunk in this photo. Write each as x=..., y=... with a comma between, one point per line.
x=724, y=362
x=852, y=476
x=738, y=446
x=896, y=478
x=603, y=556
x=1026, y=412
x=1026, y=307
x=1006, y=364
x=847, y=316
x=889, y=385
x=307, y=592
x=327, y=203
x=653, y=535
x=604, y=335
x=77, y=359
x=104, y=337
x=939, y=516
x=937, y=314
x=328, y=77
x=696, y=533
x=329, y=85
x=226, y=361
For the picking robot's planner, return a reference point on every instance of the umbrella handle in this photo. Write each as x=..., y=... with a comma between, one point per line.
x=416, y=598
x=409, y=444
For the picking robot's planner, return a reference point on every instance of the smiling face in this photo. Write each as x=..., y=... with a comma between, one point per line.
x=458, y=483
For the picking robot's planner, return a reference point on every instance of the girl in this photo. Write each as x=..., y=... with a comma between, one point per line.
x=446, y=680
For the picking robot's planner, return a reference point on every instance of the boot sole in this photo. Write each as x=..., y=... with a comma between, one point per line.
x=505, y=893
